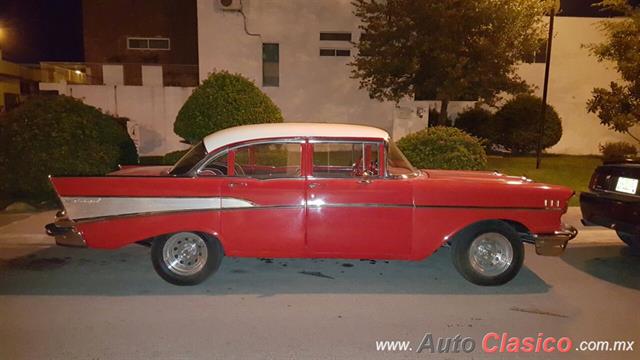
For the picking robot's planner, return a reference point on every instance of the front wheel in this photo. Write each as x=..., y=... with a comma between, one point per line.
x=488, y=253
x=186, y=258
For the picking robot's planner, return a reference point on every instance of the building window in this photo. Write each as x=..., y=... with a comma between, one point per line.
x=335, y=52
x=335, y=36
x=270, y=65
x=139, y=43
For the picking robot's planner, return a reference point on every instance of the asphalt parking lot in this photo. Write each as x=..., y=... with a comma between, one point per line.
x=60, y=303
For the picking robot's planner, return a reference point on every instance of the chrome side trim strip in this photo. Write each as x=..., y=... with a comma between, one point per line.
x=99, y=207
x=88, y=208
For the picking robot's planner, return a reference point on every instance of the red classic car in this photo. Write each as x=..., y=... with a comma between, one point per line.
x=311, y=191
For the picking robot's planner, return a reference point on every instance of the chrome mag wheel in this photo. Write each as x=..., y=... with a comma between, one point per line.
x=185, y=253
x=490, y=254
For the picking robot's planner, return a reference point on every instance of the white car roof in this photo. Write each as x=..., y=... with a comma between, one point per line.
x=278, y=130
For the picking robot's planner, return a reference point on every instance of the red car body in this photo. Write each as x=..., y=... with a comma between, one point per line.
x=399, y=218
x=377, y=216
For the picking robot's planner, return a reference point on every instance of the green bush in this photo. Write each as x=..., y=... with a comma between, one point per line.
x=58, y=135
x=444, y=148
x=517, y=125
x=223, y=100
x=477, y=122
x=617, y=151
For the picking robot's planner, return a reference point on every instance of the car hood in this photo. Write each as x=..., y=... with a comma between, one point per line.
x=485, y=188
x=142, y=171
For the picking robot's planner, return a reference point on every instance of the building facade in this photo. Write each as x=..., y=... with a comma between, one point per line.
x=299, y=52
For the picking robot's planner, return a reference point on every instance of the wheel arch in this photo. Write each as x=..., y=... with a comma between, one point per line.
x=517, y=226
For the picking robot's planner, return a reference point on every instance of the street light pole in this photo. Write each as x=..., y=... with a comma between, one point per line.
x=545, y=90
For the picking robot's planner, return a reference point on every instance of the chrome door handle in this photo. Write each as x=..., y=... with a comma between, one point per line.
x=365, y=181
x=231, y=185
x=313, y=185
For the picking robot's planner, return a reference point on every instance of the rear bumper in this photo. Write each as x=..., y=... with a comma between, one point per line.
x=65, y=233
x=552, y=244
x=612, y=211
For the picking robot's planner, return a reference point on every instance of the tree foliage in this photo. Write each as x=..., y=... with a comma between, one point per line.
x=223, y=100
x=445, y=49
x=618, y=107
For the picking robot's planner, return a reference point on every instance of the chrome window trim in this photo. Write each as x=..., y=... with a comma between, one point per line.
x=227, y=149
x=386, y=166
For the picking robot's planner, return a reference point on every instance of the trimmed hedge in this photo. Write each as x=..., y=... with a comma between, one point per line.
x=478, y=122
x=443, y=147
x=517, y=125
x=223, y=100
x=61, y=136
x=617, y=151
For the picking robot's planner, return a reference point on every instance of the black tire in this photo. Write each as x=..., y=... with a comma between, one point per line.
x=214, y=254
x=462, y=243
x=633, y=240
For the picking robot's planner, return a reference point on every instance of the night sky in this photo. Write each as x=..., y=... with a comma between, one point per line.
x=51, y=30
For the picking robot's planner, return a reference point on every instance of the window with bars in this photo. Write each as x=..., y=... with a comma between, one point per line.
x=335, y=52
x=156, y=43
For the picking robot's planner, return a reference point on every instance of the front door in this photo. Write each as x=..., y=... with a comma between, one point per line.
x=352, y=210
x=263, y=211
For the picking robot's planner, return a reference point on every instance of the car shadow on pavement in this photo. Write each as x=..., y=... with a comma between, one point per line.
x=128, y=271
x=613, y=263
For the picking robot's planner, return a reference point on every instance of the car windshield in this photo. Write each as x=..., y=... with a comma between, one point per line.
x=189, y=160
x=397, y=163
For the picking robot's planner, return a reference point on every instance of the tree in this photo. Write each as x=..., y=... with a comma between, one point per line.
x=445, y=50
x=223, y=100
x=618, y=107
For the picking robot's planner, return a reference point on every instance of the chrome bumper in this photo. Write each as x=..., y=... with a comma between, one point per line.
x=551, y=244
x=65, y=233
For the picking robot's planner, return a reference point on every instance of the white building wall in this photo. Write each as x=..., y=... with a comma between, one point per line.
x=151, y=109
x=318, y=89
x=574, y=74
x=312, y=88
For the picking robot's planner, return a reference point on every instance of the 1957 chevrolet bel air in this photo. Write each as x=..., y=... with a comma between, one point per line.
x=311, y=191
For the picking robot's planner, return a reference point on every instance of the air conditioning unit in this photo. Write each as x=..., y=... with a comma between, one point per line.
x=229, y=5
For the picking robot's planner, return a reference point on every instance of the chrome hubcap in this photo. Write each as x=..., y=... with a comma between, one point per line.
x=185, y=253
x=490, y=254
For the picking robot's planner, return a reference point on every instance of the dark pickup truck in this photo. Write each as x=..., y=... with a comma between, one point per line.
x=614, y=201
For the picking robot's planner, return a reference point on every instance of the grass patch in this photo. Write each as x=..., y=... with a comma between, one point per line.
x=568, y=170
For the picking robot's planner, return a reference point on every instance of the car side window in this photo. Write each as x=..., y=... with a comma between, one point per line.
x=217, y=166
x=345, y=159
x=268, y=160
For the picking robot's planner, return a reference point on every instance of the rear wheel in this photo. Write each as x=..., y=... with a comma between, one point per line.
x=633, y=240
x=186, y=258
x=488, y=253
